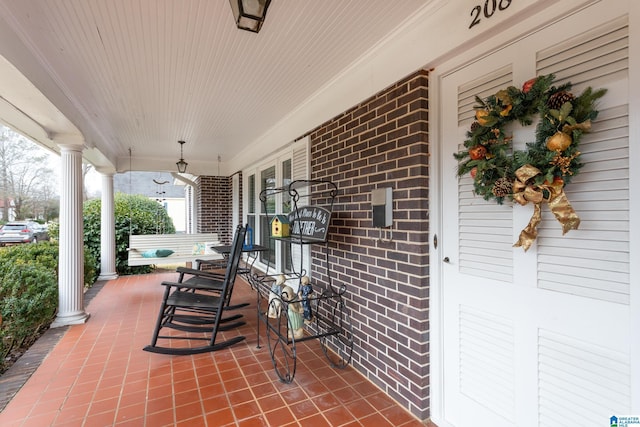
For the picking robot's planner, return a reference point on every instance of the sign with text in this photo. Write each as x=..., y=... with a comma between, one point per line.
x=310, y=222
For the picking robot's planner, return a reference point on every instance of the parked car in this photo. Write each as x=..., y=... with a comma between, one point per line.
x=42, y=232
x=22, y=232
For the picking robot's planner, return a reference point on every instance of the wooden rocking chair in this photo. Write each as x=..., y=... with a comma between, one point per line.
x=186, y=308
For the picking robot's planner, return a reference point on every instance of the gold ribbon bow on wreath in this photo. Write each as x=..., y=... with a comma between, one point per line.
x=524, y=191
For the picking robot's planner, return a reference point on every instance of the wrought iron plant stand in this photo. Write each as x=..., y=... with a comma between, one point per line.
x=291, y=316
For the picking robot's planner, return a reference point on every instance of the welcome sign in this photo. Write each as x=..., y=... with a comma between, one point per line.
x=310, y=223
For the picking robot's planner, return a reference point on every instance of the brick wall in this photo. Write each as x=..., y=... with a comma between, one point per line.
x=214, y=206
x=382, y=142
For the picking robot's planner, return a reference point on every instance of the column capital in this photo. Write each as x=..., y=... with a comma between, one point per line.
x=106, y=173
x=70, y=148
x=67, y=139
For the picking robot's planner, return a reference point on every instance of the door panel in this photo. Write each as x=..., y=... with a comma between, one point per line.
x=531, y=338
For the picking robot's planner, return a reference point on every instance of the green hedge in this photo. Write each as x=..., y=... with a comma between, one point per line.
x=134, y=214
x=29, y=292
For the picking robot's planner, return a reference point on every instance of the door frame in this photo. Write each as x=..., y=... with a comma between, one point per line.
x=634, y=196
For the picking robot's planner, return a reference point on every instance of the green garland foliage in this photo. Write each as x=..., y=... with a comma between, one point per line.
x=488, y=155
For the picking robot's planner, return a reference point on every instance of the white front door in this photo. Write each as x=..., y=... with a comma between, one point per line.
x=542, y=337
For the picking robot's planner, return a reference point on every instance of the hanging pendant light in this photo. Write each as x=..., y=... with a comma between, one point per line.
x=181, y=164
x=249, y=14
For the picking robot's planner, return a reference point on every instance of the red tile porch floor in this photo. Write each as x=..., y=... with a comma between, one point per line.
x=98, y=375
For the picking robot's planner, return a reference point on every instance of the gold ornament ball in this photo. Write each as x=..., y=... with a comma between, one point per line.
x=559, y=141
x=481, y=117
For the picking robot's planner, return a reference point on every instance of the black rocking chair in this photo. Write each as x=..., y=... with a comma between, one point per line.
x=186, y=308
x=208, y=280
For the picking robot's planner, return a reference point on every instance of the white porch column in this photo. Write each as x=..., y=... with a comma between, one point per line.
x=71, y=245
x=107, y=230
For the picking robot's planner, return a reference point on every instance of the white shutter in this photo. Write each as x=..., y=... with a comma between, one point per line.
x=482, y=87
x=580, y=381
x=594, y=260
x=487, y=367
x=595, y=58
x=300, y=161
x=486, y=228
x=300, y=170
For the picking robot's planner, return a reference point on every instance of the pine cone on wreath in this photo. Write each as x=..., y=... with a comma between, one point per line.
x=502, y=187
x=556, y=100
x=474, y=126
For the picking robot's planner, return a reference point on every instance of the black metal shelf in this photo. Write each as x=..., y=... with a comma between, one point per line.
x=299, y=241
x=280, y=313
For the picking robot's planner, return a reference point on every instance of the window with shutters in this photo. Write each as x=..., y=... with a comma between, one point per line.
x=278, y=171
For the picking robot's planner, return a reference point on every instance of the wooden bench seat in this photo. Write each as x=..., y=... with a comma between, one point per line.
x=185, y=247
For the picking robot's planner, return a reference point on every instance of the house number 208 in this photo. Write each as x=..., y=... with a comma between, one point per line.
x=490, y=7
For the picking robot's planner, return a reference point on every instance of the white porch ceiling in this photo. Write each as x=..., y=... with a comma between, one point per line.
x=143, y=74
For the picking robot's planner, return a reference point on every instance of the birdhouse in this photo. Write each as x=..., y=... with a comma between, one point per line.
x=280, y=226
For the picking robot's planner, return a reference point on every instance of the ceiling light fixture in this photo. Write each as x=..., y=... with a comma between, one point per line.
x=249, y=14
x=181, y=164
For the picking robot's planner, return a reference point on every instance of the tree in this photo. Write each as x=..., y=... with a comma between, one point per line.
x=86, y=168
x=25, y=177
x=46, y=203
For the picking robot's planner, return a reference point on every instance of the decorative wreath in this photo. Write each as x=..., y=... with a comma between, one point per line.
x=539, y=173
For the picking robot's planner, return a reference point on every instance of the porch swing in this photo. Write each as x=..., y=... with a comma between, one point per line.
x=162, y=248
